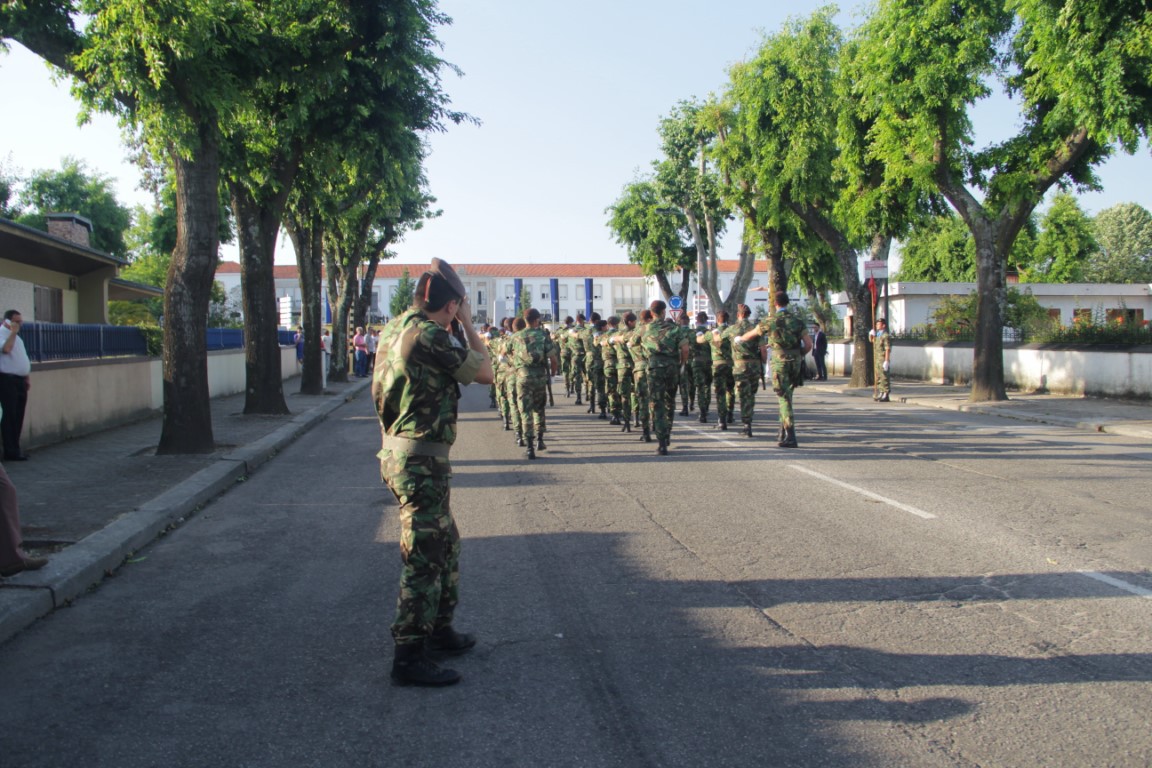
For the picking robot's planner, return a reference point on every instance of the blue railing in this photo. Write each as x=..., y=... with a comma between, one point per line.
x=70, y=341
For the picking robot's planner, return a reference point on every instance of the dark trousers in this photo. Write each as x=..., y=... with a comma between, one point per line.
x=13, y=399
x=821, y=369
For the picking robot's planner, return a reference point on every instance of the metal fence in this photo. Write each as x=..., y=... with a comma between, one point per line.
x=72, y=341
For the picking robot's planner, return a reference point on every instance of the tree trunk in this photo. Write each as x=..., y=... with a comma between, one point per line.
x=743, y=278
x=257, y=226
x=858, y=294
x=774, y=253
x=991, y=296
x=187, y=424
x=306, y=234
x=341, y=287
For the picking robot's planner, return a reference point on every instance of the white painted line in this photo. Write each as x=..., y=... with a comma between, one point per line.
x=862, y=492
x=1138, y=591
x=717, y=438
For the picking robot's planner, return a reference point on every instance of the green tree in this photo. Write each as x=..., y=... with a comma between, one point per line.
x=1065, y=243
x=687, y=178
x=402, y=299
x=1124, y=235
x=938, y=250
x=1079, y=70
x=76, y=189
x=651, y=231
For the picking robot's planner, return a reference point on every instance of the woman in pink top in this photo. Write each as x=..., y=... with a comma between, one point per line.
x=360, y=344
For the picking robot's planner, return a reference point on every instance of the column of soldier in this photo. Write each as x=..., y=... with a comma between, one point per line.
x=629, y=370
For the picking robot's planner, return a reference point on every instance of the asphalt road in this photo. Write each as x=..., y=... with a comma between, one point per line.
x=911, y=587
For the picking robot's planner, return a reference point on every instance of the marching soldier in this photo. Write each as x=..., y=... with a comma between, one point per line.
x=787, y=335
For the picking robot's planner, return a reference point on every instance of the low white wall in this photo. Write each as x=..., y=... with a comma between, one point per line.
x=75, y=397
x=1079, y=371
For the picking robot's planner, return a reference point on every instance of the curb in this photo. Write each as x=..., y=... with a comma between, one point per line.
x=77, y=569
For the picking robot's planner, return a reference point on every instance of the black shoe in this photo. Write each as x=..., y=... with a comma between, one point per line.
x=448, y=642
x=782, y=436
x=17, y=457
x=703, y=418
x=627, y=426
x=529, y=451
x=615, y=421
x=507, y=425
x=603, y=415
x=747, y=431
x=579, y=401
x=540, y=444
x=882, y=399
x=731, y=417
x=722, y=425
x=646, y=437
x=684, y=411
x=411, y=666
x=662, y=448
x=789, y=440
x=519, y=439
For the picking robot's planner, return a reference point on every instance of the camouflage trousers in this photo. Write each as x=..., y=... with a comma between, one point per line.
x=566, y=369
x=725, y=386
x=662, y=385
x=687, y=386
x=498, y=389
x=624, y=384
x=702, y=373
x=641, y=402
x=596, y=386
x=511, y=409
x=883, y=382
x=786, y=376
x=429, y=545
x=531, y=397
x=579, y=371
x=612, y=389
x=747, y=376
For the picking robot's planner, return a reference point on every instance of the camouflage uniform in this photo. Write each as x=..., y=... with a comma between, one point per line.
x=662, y=341
x=595, y=365
x=641, y=402
x=722, y=380
x=575, y=342
x=784, y=332
x=531, y=352
x=561, y=339
x=508, y=385
x=746, y=369
x=611, y=381
x=624, y=370
x=881, y=346
x=415, y=389
x=701, y=359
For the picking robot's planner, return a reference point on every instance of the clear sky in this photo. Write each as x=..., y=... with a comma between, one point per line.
x=569, y=95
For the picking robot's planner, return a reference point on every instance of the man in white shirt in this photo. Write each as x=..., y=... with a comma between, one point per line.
x=15, y=369
x=325, y=355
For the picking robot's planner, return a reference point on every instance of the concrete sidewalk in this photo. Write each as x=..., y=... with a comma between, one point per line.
x=1117, y=417
x=91, y=502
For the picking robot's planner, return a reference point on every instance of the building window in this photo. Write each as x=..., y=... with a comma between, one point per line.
x=47, y=304
x=627, y=295
x=597, y=291
x=509, y=292
x=580, y=292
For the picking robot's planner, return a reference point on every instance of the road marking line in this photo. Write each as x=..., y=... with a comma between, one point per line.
x=717, y=438
x=1111, y=581
x=863, y=492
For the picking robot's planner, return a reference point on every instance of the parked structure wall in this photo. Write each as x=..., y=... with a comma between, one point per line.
x=1083, y=370
x=76, y=397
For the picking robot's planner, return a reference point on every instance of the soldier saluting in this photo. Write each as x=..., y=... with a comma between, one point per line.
x=415, y=387
x=787, y=335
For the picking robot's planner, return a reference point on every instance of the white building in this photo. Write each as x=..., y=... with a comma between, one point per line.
x=912, y=304
x=610, y=289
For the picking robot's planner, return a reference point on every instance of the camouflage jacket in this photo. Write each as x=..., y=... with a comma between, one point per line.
x=635, y=349
x=881, y=344
x=701, y=353
x=721, y=346
x=530, y=350
x=783, y=332
x=662, y=341
x=416, y=383
x=740, y=349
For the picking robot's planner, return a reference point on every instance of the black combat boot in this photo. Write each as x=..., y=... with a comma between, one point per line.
x=684, y=410
x=747, y=432
x=540, y=443
x=789, y=440
x=883, y=397
x=507, y=424
x=646, y=437
x=703, y=417
x=411, y=666
x=615, y=420
x=520, y=439
x=722, y=424
x=662, y=448
x=591, y=407
x=492, y=402
x=627, y=426
x=446, y=641
x=782, y=436
x=530, y=450
x=578, y=400
x=731, y=416
x=603, y=412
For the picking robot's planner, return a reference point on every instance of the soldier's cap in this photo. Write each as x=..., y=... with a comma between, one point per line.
x=443, y=270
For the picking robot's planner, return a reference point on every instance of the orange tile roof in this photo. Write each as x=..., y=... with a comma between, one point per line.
x=392, y=270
